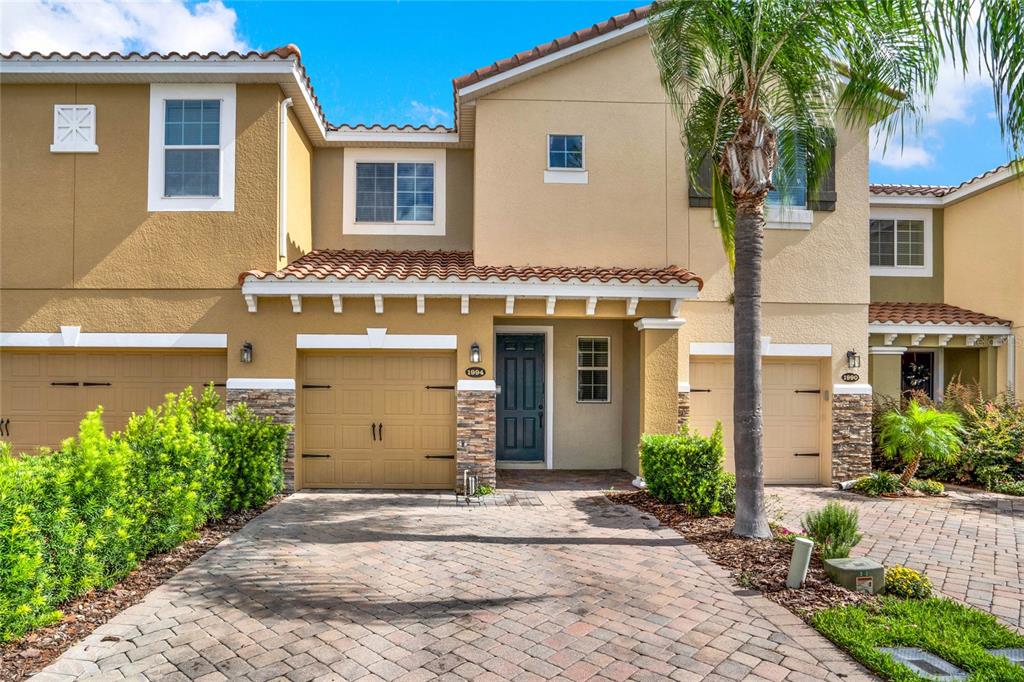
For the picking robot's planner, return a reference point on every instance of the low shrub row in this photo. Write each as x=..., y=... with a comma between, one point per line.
x=85, y=515
x=687, y=468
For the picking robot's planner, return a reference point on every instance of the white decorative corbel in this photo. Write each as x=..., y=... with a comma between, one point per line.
x=591, y=305
x=296, y=303
x=465, y=304
x=375, y=336
x=944, y=339
x=510, y=304
x=250, y=302
x=421, y=304
x=972, y=339
x=338, y=305
x=549, y=305
x=998, y=341
x=69, y=335
x=916, y=339
x=631, y=305
x=378, y=304
x=889, y=338
x=677, y=307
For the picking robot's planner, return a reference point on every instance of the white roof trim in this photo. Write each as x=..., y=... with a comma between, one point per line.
x=70, y=337
x=261, y=384
x=398, y=136
x=929, y=328
x=377, y=337
x=955, y=195
x=768, y=349
x=502, y=79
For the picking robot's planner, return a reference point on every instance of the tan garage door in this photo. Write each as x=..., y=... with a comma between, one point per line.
x=792, y=413
x=46, y=393
x=378, y=420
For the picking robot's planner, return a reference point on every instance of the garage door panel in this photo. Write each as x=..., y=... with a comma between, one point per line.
x=400, y=401
x=319, y=437
x=350, y=473
x=437, y=403
x=354, y=367
x=321, y=402
x=437, y=438
x=436, y=473
x=27, y=366
x=319, y=471
x=401, y=368
x=437, y=369
x=398, y=472
x=355, y=402
x=99, y=366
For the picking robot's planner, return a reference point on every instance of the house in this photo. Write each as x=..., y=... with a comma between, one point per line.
x=947, y=285
x=534, y=287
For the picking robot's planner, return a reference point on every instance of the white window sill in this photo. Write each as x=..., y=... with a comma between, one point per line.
x=787, y=218
x=396, y=229
x=900, y=271
x=91, y=149
x=566, y=177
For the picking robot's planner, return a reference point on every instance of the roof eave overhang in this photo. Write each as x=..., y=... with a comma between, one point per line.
x=938, y=328
x=953, y=196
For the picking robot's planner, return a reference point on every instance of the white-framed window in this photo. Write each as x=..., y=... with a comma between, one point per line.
x=566, y=160
x=900, y=242
x=74, y=128
x=394, y=191
x=593, y=369
x=192, y=147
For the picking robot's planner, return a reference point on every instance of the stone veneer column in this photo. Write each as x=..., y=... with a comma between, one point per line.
x=851, y=435
x=683, y=406
x=475, y=435
x=277, y=403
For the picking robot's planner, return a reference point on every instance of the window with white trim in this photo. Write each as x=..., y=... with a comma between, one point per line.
x=394, y=192
x=74, y=128
x=593, y=369
x=793, y=179
x=900, y=242
x=192, y=147
x=565, y=152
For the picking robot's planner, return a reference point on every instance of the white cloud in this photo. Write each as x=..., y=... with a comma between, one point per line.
x=424, y=113
x=909, y=156
x=118, y=25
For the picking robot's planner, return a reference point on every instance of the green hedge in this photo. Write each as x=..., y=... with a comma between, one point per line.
x=686, y=468
x=85, y=515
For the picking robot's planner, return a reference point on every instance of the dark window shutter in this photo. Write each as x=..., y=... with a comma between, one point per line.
x=821, y=192
x=700, y=194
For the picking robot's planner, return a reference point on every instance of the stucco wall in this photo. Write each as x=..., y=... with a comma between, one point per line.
x=81, y=220
x=299, y=191
x=328, y=187
x=916, y=289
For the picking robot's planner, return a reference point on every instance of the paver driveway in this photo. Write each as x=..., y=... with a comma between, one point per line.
x=543, y=582
x=971, y=543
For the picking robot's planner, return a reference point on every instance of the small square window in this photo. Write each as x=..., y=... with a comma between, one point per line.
x=593, y=369
x=565, y=152
x=74, y=128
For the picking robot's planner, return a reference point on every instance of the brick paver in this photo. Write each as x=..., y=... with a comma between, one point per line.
x=970, y=544
x=547, y=580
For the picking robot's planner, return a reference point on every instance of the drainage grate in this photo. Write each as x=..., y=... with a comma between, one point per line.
x=926, y=664
x=1015, y=655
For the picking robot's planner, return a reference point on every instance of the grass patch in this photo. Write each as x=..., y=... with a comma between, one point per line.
x=957, y=633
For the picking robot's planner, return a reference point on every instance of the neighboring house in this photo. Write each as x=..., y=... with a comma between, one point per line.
x=947, y=285
x=535, y=287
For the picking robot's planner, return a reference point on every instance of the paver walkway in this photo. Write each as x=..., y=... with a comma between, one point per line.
x=970, y=544
x=548, y=580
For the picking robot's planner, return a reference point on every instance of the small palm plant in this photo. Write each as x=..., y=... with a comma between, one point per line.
x=918, y=434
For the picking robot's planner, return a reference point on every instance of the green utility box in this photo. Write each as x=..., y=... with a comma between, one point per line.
x=859, y=574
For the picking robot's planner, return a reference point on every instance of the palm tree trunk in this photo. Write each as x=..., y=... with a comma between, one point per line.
x=911, y=469
x=748, y=428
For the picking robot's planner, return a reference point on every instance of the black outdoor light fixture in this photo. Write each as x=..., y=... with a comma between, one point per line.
x=852, y=359
x=246, y=352
x=474, y=353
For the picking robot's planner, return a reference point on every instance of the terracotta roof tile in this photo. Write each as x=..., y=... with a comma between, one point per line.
x=454, y=265
x=574, y=38
x=929, y=313
x=930, y=190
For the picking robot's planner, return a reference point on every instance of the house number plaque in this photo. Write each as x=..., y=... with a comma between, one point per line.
x=850, y=376
x=475, y=371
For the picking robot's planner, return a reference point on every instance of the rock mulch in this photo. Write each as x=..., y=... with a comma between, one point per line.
x=83, y=614
x=761, y=565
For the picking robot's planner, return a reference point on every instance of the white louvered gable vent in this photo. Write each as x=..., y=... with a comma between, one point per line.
x=74, y=128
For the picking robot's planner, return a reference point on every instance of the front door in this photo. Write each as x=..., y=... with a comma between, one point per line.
x=520, y=364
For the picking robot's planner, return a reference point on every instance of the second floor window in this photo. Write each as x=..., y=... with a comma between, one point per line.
x=791, y=182
x=565, y=152
x=897, y=243
x=394, y=192
x=191, y=148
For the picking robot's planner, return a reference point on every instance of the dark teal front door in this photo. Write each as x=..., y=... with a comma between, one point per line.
x=520, y=364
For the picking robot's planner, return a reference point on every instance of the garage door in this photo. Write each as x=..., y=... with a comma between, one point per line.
x=378, y=420
x=45, y=394
x=792, y=413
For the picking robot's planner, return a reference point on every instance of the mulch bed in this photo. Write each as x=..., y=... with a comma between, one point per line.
x=83, y=614
x=761, y=565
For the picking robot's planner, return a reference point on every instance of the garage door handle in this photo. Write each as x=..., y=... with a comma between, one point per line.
x=440, y=388
x=807, y=454
x=95, y=383
x=807, y=390
x=700, y=390
x=373, y=429
x=5, y=423
x=440, y=456
x=64, y=383
x=307, y=455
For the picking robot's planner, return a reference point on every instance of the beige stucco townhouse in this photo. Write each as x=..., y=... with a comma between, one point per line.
x=947, y=285
x=534, y=287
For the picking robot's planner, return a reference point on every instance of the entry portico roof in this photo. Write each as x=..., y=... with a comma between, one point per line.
x=448, y=266
x=930, y=314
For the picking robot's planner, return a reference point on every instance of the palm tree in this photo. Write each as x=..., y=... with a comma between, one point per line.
x=759, y=86
x=922, y=433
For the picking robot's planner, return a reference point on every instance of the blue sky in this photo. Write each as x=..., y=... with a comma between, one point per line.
x=393, y=62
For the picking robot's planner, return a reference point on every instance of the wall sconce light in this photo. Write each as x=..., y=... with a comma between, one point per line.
x=852, y=359
x=246, y=352
x=474, y=353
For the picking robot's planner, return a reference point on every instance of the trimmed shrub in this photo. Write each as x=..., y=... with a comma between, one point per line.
x=927, y=487
x=877, y=483
x=834, y=529
x=906, y=583
x=686, y=468
x=83, y=516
